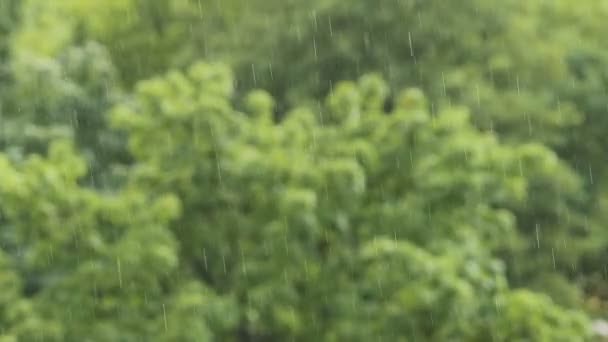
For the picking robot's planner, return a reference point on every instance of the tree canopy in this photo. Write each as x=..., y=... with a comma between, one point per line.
x=262, y=170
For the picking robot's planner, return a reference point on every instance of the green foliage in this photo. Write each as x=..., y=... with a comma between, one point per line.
x=63, y=97
x=336, y=171
x=96, y=266
x=283, y=200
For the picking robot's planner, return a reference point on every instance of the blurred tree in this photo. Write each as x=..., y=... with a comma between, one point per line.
x=478, y=56
x=94, y=267
x=364, y=214
x=60, y=97
x=288, y=217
